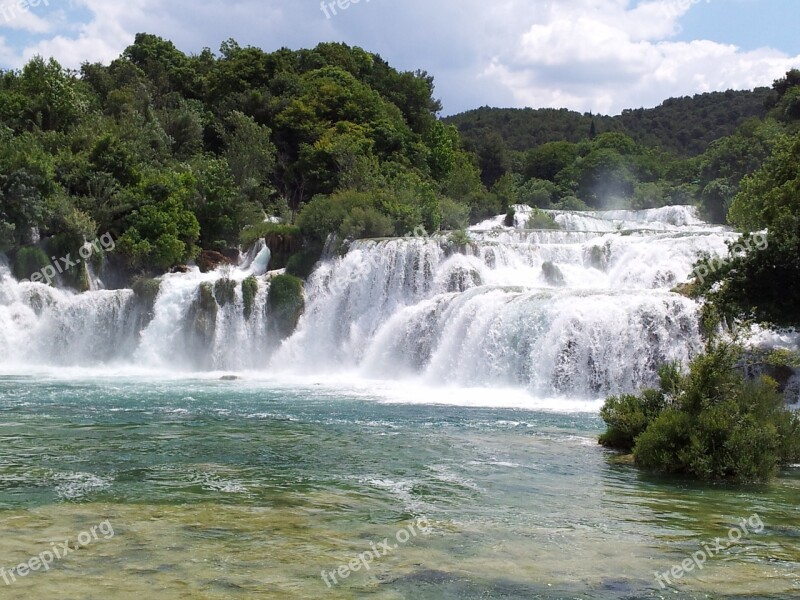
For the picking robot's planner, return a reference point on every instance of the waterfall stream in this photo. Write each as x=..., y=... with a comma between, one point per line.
x=583, y=311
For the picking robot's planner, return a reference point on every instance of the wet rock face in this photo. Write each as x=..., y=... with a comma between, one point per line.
x=756, y=363
x=201, y=321
x=210, y=260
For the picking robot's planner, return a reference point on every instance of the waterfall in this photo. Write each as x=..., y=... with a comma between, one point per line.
x=582, y=311
x=41, y=325
x=199, y=322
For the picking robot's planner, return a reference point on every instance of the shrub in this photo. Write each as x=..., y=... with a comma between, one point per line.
x=510, y=217
x=286, y=304
x=454, y=215
x=28, y=261
x=301, y=264
x=710, y=424
x=365, y=223
x=571, y=203
x=278, y=234
x=460, y=239
x=629, y=416
x=541, y=220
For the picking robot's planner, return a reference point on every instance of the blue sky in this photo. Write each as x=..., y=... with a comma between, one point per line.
x=587, y=55
x=750, y=24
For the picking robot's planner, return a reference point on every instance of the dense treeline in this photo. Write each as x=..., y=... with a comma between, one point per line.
x=180, y=157
x=688, y=150
x=683, y=126
x=174, y=154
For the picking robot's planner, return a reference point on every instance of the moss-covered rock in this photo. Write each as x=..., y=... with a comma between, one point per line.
x=462, y=279
x=597, y=257
x=146, y=291
x=225, y=291
x=249, y=293
x=146, y=288
x=286, y=303
x=201, y=320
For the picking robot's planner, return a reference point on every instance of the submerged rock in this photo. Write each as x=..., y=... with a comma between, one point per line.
x=553, y=274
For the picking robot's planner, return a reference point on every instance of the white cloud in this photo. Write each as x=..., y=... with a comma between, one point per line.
x=600, y=55
x=604, y=55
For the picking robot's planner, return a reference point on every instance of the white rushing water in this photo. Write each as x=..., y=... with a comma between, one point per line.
x=581, y=312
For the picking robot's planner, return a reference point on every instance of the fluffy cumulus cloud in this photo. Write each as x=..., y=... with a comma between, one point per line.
x=600, y=55
x=605, y=55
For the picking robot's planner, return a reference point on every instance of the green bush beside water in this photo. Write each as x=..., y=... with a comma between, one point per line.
x=711, y=423
x=541, y=220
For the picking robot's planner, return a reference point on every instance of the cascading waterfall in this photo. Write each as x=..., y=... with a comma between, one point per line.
x=43, y=325
x=575, y=312
x=199, y=322
x=582, y=311
x=196, y=321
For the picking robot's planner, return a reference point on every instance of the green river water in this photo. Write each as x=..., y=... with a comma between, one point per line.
x=251, y=489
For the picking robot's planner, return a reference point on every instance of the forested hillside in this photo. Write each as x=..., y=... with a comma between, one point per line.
x=684, y=126
x=688, y=150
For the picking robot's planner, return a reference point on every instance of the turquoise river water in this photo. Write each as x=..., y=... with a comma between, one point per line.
x=252, y=489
